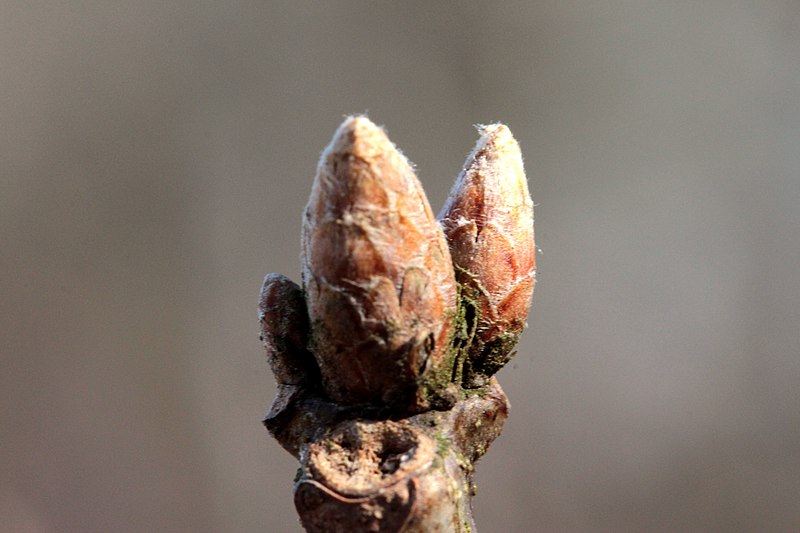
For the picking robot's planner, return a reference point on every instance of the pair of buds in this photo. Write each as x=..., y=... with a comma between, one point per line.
x=399, y=308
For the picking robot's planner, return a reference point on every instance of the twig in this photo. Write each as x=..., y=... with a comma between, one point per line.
x=384, y=358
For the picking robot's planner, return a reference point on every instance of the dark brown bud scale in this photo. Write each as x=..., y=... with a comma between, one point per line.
x=284, y=330
x=377, y=272
x=488, y=222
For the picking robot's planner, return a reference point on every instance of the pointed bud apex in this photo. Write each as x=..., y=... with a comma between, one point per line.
x=377, y=273
x=284, y=330
x=488, y=221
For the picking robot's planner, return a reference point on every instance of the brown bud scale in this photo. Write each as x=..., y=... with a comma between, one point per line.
x=284, y=330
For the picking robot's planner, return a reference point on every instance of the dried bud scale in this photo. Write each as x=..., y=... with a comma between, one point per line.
x=377, y=273
x=488, y=221
x=284, y=330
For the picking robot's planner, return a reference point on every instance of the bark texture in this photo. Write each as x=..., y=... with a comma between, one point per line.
x=385, y=357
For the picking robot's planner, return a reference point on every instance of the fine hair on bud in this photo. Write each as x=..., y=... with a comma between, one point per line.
x=488, y=222
x=377, y=274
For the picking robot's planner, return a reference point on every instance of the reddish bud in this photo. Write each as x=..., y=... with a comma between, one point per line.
x=377, y=273
x=488, y=222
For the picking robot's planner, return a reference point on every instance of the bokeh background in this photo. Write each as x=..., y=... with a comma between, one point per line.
x=155, y=158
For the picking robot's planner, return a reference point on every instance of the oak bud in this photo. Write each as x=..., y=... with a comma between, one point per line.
x=488, y=222
x=377, y=274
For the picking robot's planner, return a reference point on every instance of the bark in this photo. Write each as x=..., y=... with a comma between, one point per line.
x=361, y=471
x=385, y=356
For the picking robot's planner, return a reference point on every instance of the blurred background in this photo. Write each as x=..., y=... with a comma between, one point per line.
x=155, y=158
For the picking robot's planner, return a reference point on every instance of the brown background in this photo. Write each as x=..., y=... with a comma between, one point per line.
x=154, y=161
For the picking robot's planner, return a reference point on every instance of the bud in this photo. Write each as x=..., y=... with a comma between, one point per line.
x=488, y=222
x=284, y=330
x=377, y=273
